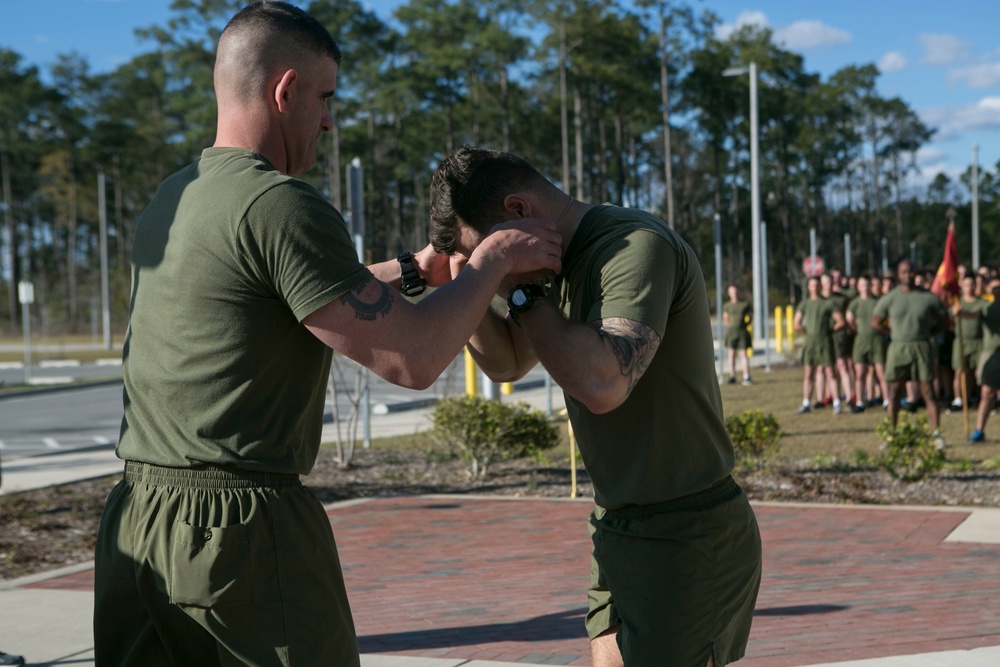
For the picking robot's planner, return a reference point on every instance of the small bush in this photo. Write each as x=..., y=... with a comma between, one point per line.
x=909, y=451
x=485, y=431
x=755, y=437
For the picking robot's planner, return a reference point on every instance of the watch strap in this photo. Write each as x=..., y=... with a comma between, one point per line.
x=411, y=284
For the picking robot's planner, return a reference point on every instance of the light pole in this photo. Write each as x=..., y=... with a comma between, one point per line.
x=758, y=331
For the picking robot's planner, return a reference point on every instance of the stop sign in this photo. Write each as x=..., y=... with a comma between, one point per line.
x=813, y=266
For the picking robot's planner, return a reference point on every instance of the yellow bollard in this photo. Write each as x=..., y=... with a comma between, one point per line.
x=777, y=330
x=750, y=329
x=470, y=375
x=790, y=326
x=506, y=388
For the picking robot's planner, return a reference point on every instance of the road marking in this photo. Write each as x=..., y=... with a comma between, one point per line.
x=51, y=443
x=58, y=363
x=101, y=440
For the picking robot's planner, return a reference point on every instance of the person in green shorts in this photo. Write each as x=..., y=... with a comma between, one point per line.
x=869, y=346
x=988, y=367
x=843, y=341
x=625, y=330
x=816, y=317
x=911, y=316
x=736, y=316
x=968, y=344
x=244, y=280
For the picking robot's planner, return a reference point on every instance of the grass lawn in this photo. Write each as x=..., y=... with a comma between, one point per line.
x=822, y=436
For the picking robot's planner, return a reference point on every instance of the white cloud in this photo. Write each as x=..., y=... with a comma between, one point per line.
x=758, y=19
x=950, y=122
x=976, y=76
x=893, y=62
x=810, y=35
x=943, y=49
x=800, y=36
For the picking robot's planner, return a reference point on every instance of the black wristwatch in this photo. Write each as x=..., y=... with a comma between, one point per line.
x=412, y=284
x=522, y=297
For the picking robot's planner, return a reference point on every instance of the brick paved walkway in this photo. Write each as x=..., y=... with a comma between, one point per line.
x=503, y=579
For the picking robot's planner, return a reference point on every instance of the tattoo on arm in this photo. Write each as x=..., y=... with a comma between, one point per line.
x=369, y=300
x=633, y=343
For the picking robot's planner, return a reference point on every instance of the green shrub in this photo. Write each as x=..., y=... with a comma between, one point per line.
x=910, y=451
x=755, y=437
x=485, y=430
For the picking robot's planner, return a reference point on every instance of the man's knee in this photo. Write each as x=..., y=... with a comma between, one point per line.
x=604, y=651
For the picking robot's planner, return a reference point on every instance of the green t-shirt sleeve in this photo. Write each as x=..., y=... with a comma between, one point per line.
x=639, y=281
x=297, y=244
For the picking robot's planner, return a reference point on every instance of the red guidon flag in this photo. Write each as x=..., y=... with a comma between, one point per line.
x=945, y=284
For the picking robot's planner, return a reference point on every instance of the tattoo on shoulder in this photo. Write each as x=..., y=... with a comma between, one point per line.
x=633, y=343
x=370, y=300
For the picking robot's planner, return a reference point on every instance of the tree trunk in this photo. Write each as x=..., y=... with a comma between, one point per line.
x=578, y=131
x=665, y=101
x=8, y=219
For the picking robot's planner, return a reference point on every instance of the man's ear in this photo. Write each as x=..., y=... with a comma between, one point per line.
x=516, y=207
x=285, y=89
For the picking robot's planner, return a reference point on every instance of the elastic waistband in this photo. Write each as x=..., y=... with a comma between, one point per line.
x=207, y=477
x=723, y=490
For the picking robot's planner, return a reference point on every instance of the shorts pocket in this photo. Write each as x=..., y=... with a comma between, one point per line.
x=209, y=566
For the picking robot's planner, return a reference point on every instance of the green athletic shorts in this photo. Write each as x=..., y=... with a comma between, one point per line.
x=216, y=566
x=682, y=577
x=972, y=350
x=910, y=360
x=843, y=343
x=869, y=350
x=818, y=352
x=989, y=372
x=737, y=339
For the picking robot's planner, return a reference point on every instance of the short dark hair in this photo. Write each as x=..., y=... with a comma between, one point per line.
x=470, y=186
x=287, y=20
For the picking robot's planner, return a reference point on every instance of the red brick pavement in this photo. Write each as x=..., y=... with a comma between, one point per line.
x=503, y=579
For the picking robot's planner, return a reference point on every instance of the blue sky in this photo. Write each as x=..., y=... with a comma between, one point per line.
x=943, y=58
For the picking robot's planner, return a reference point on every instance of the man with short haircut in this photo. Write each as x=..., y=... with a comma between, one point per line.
x=816, y=317
x=911, y=315
x=843, y=341
x=244, y=281
x=736, y=316
x=625, y=331
x=869, y=346
x=968, y=343
x=988, y=369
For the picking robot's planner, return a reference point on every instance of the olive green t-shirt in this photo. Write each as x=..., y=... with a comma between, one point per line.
x=971, y=328
x=861, y=310
x=913, y=315
x=991, y=326
x=738, y=312
x=668, y=439
x=228, y=258
x=817, y=316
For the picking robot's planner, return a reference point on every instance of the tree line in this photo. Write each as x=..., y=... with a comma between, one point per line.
x=616, y=101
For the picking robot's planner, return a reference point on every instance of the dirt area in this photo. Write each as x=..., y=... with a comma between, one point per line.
x=50, y=528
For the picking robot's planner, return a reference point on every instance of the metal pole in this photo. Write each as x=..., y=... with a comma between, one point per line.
x=885, y=256
x=758, y=305
x=26, y=295
x=847, y=255
x=717, y=235
x=767, y=305
x=812, y=242
x=355, y=198
x=975, y=207
x=105, y=291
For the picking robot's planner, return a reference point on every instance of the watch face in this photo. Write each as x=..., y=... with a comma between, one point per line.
x=518, y=297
